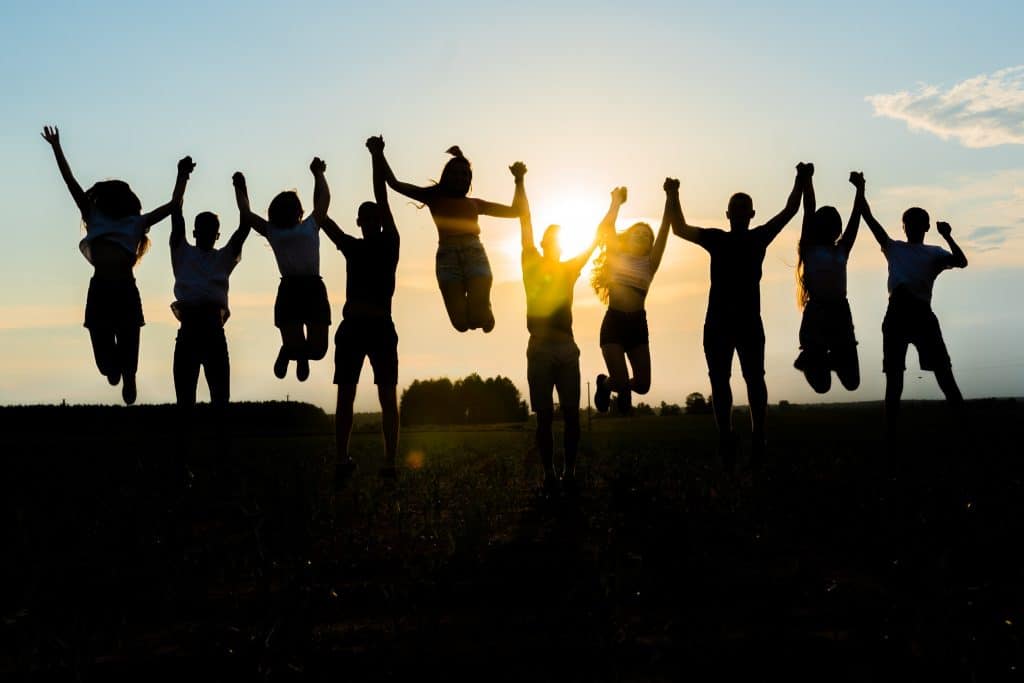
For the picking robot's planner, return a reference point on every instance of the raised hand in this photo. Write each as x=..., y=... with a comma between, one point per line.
x=51, y=135
x=375, y=143
x=317, y=166
x=238, y=180
x=857, y=179
x=186, y=166
x=619, y=195
x=671, y=185
x=804, y=170
x=518, y=170
x=944, y=229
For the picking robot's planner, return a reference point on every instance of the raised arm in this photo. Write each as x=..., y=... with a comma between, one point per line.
x=241, y=233
x=658, y=248
x=772, y=228
x=413, y=192
x=177, y=227
x=810, y=205
x=850, y=234
x=321, y=191
x=959, y=259
x=52, y=136
x=380, y=188
x=606, y=228
x=245, y=214
x=678, y=222
x=522, y=205
x=334, y=233
x=185, y=168
x=881, y=236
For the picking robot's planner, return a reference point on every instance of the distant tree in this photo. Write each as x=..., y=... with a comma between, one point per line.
x=471, y=400
x=644, y=409
x=696, y=404
x=669, y=409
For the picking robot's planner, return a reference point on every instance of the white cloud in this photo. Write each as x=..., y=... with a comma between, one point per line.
x=983, y=111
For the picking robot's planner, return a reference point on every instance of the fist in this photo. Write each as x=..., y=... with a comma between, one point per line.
x=804, y=170
x=51, y=135
x=186, y=166
x=857, y=179
x=375, y=143
x=619, y=195
x=518, y=170
x=238, y=180
x=671, y=185
x=944, y=228
x=317, y=166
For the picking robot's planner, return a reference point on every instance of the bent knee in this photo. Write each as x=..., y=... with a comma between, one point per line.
x=641, y=386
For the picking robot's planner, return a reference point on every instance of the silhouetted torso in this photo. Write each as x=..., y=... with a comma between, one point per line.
x=296, y=249
x=914, y=267
x=549, y=295
x=825, y=272
x=454, y=215
x=370, y=274
x=736, y=260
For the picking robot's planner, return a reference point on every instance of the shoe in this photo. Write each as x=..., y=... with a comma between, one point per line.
x=114, y=376
x=603, y=395
x=128, y=390
x=624, y=402
x=801, y=362
x=343, y=471
x=281, y=364
x=302, y=369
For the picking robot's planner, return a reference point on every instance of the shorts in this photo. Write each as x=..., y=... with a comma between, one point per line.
x=911, y=321
x=628, y=330
x=553, y=366
x=826, y=333
x=112, y=304
x=459, y=258
x=302, y=300
x=360, y=338
x=723, y=337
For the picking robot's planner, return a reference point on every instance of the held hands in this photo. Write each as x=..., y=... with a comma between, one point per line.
x=317, y=166
x=619, y=195
x=518, y=170
x=944, y=229
x=671, y=185
x=375, y=143
x=804, y=171
x=857, y=179
x=238, y=180
x=51, y=135
x=186, y=166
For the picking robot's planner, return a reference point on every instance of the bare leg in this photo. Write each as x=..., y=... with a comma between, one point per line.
x=316, y=341
x=186, y=370
x=893, y=394
x=757, y=396
x=572, y=439
x=104, y=351
x=546, y=442
x=640, y=360
x=343, y=420
x=128, y=356
x=455, y=302
x=847, y=366
x=388, y=396
x=478, y=299
x=618, y=371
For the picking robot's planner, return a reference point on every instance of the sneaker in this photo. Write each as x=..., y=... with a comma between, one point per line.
x=128, y=390
x=281, y=364
x=343, y=471
x=302, y=369
x=603, y=395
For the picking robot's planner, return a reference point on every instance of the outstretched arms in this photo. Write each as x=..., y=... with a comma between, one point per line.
x=606, y=228
x=413, y=192
x=52, y=136
x=675, y=212
x=850, y=234
x=522, y=205
x=661, y=239
x=321, y=191
x=881, y=236
x=380, y=189
x=245, y=214
x=185, y=168
x=810, y=205
x=773, y=227
x=959, y=259
x=501, y=210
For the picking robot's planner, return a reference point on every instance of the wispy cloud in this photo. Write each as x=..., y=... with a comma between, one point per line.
x=989, y=237
x=983, y=111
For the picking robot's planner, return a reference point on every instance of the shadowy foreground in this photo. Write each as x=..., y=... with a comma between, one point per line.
x=836, y=561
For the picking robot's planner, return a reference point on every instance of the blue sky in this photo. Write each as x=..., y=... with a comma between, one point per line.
x=725, y=96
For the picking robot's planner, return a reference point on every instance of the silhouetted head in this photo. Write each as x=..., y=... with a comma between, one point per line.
x=368, y=219
x=827, y=226
x=637, y=239
x=740, y=211
x=550, y=245
x=285, y=210
x=207, y=229
x=114, y=199
x=915, y=224
x=457, y=175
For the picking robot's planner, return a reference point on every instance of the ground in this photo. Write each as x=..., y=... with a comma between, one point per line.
x=842, y=559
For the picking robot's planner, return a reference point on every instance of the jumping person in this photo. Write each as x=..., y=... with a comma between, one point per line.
x=302, y=312
x=114, y=243
x=201, y=274
x=552, y=357
x=909, y=319
x=463, y=271
x=366, y=329
x=733, y=320
x=621, y=277
x=827, y=340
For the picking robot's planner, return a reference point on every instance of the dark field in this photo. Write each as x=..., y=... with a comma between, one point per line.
x=836, y=561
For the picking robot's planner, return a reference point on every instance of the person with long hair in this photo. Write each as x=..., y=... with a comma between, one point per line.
x=622, y=274
x=302, y=312
x=827, y=340
x=114, y=243
x=461, y=265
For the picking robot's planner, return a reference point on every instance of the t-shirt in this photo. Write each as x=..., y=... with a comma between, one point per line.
x=370, y=273
x=549, y=293
x=630, y=270
x=736, y=260
x=825, y=271
x=297, y=249
x=127, y=232
x=201, y=276
x=914, y=267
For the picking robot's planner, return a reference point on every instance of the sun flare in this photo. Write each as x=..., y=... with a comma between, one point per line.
x=577, y=214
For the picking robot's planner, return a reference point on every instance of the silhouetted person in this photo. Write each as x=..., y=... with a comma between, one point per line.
x=913, y=267
x=366, y=329
x=552, y=357
x=201, y=274
x=621, y=277
x=827, y=340
x=115, y=241
x=302, y=312
x=463, y=271
x=733, y=321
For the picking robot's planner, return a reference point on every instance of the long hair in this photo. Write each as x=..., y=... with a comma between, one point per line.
x=116, y=200
x=602, y=272
x=826, y=226
x=458, y=158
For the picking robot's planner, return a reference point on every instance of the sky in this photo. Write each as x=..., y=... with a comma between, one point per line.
x=927, y=100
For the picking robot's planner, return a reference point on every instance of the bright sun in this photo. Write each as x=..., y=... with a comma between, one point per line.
x=578, y=214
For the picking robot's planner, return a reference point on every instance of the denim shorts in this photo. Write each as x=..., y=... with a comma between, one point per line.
x=461, y=257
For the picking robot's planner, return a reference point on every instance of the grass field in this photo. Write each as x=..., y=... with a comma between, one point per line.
x=836, y=561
